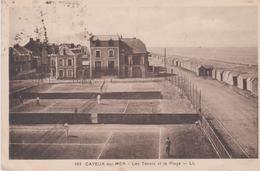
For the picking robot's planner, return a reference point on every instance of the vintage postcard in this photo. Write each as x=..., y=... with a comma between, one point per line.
x=130, y=85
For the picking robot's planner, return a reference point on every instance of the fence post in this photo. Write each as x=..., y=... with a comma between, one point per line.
x=186, y=80
x=184, y=85
x=187, y=88
x=200, y=101
x=196, y=98
x=193, y=94
x=181, y=84
x=178, y=82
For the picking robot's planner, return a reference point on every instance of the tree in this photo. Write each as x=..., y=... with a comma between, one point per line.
x=18, y=38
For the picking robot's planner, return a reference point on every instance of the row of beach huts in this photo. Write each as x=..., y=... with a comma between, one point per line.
x=237, y=78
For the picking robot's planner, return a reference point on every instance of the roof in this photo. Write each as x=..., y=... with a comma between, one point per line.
x=207, y=66
x=245, y=75
x=68, y=51
x=248, y=76
x=35, y=46
x=76, y=50
x=136, y=45
x=105, y=37
x=253, y=78
x=21, y=50
x=233, y=73
x=220, y=70
x=52, y=49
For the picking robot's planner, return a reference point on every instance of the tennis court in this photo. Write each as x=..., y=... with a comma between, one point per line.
x=108, y=142
x=96, y=87
x=71, y=87
x=106, y=106
x=132, y=86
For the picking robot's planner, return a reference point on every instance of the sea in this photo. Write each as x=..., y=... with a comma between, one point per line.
x=240, y=55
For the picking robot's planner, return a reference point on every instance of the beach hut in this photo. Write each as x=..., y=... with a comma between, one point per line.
x=252, y=84
x=242, y=81
x=204, y=70
x=219, y=74
x=225, y=76
x=214, y=73
x=170, y=69
x=172, y=62
x=231, y=78
x=177, y=62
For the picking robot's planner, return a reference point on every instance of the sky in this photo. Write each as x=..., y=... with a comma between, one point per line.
x=157, y=25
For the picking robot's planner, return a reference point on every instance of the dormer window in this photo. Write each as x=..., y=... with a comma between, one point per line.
x=110, y=42
x=97, y=42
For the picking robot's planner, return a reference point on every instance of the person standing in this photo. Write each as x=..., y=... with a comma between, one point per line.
x=98, y=98
x=38, y=101
x=21, y=99
x=66, y=126
x=168, y=146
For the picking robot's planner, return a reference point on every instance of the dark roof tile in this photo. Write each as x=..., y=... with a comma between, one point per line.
x=136, y=45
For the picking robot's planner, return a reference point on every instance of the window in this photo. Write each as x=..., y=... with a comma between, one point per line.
x=69, y=62
x=136, y=60
x=60, y=62
x=53, y=62
x=111, y=53
x=70, y=73
x=98, y=53
x=126, y=60
x=63, y=62
x=98, y=66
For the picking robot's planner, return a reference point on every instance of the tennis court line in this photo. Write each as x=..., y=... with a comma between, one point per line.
x=104, y=146
x=25, y=101
x=48, y=107
x=126, y=106
x=83, y=130
x=58, y=144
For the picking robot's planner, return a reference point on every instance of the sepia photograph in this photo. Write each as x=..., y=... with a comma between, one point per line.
x=122, y=80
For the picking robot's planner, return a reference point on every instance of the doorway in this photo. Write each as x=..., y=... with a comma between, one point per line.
x=111, y=67
x=61, y=74
x=235, y=81
x=137, y=72
x=244, y=84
